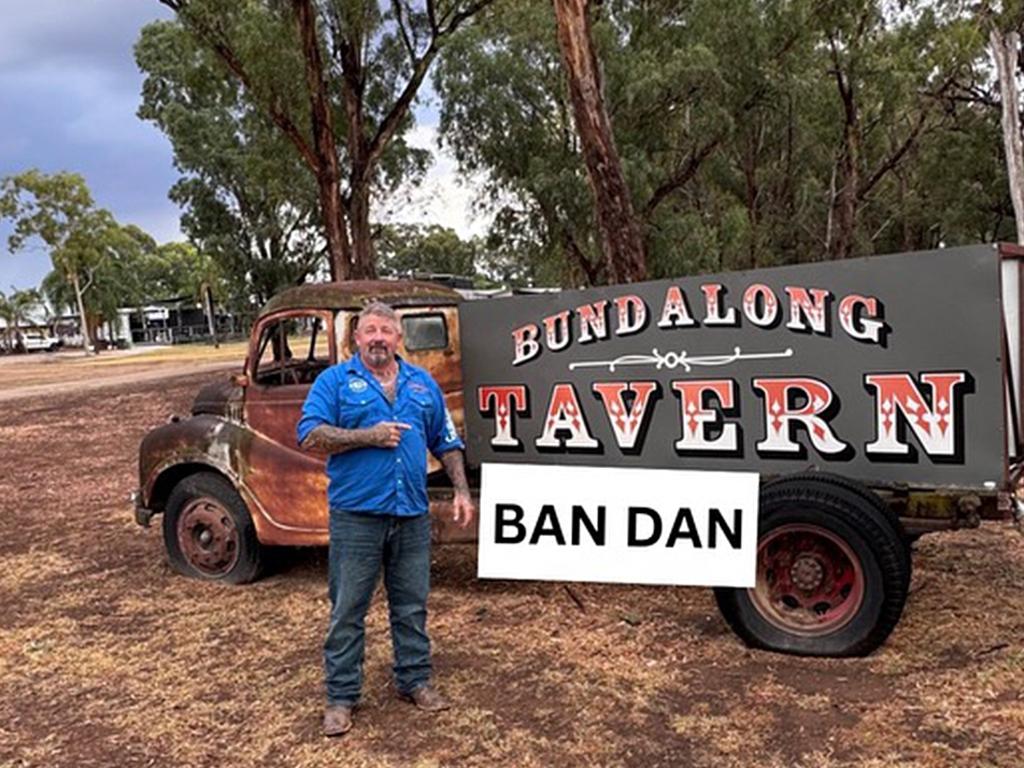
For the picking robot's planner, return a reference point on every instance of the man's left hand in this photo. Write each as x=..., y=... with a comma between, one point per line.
x=463, y=510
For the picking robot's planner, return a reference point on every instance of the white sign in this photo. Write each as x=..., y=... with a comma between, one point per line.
x=621, y=525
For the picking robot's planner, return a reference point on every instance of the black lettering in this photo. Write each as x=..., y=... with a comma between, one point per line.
x=632, y=539
x=547, y=525
x=734, y=534
x=683, y=517
x=502, y=523
x=581, y=520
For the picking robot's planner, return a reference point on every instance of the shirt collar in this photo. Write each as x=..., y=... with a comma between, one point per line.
x=355, y=365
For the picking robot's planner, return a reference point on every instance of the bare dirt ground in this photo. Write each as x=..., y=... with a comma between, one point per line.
x=51, y=373
x=107, y=658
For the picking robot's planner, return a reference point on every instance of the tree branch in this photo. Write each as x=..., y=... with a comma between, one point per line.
x=389, y=125
x=682, y=175
x=396, y=6
x=227, y=55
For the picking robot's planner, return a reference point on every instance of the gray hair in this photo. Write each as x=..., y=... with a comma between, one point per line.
x=380, y=309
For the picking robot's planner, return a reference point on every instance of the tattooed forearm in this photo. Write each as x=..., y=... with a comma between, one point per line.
x=330, y=439
x=456, y=469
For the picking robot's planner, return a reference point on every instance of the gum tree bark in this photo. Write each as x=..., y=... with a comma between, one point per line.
x=621, y=238
x=1005, y=46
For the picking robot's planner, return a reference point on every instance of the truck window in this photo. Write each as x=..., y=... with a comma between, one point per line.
x=426, y=331
x=293, y=350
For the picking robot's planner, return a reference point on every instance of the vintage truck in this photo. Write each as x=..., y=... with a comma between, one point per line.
x=841, y=498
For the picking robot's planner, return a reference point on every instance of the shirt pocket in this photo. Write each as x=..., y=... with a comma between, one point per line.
x=418, y=409
x=358, y=410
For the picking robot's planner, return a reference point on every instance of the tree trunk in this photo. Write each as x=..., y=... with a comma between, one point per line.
x=844, y=219
x=208, y=307
x=87, y=344
x=363, y=267
x=324, y=150
x=1004, y=51
x=621, y=239
x=333, y=212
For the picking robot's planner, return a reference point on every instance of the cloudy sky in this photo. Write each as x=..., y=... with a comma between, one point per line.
x=69, y=89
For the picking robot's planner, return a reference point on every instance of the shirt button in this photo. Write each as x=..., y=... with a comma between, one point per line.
x=399, y=461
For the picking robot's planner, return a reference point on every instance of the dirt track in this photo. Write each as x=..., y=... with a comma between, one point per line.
x=108, y=658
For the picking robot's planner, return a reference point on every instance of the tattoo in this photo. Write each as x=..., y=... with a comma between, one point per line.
x=456, y=469
x=336, y=440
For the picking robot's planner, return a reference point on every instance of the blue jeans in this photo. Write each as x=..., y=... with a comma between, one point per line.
x=359, y=545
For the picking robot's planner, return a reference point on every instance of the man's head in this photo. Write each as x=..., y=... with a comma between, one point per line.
x=377, y=334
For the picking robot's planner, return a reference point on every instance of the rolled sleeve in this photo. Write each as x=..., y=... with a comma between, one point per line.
x=442, y=436
x=321, y=406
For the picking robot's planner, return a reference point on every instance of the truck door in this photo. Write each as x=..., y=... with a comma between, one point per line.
x=291, y=350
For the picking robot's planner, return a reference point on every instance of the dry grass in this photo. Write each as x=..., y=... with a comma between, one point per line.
x=108, y=658
x=18, y=371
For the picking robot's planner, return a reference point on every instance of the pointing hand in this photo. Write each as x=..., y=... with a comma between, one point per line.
x=388, y=434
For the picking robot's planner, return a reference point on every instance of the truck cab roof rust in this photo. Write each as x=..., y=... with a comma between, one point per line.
x=244, y=429
x=355, y=294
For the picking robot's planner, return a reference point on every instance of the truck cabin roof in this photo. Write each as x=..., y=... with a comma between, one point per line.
x=356, y=294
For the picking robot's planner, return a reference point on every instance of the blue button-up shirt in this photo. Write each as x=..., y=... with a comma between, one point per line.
x=375, y=480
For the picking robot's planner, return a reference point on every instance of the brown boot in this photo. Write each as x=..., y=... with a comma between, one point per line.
x=337, y=720
x=427, y=699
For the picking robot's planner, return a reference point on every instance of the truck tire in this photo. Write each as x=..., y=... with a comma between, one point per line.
x=847, y=485
x=832, y=572
x=208, y=532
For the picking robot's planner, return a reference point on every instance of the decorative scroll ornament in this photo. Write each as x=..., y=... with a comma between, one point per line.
x=680, y=359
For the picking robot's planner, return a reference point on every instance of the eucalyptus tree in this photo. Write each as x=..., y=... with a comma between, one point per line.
x=58, y=210
x=337, y=80
x=404, y=249
x=248, y=204
x=675, y=92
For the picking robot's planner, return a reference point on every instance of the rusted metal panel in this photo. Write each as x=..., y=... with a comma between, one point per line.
x=353, y=294
x=284, y=490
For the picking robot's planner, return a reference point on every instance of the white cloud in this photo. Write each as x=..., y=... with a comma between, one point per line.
x=163, y=223
x=444, y=197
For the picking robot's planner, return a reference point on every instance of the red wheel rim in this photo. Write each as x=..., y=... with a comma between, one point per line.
x=809, y=581
x=207, y=536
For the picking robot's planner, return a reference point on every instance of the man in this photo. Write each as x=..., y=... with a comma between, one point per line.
x=376, y=416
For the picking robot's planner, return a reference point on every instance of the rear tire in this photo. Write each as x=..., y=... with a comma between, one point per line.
x=209, y=533
x=846, y=485
x=832, y=573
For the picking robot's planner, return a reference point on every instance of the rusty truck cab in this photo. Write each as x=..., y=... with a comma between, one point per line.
x=232, y=478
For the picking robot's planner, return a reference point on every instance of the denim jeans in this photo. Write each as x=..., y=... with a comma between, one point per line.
x=359, y=545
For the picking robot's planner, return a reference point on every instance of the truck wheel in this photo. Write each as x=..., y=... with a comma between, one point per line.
x=845, y=484
x=832, y=573
x=208, y=532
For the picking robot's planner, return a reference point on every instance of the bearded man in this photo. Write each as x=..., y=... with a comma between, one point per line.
x=377, y=416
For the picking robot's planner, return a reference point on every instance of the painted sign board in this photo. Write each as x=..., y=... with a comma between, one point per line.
x=636, y=526
x=885, y=369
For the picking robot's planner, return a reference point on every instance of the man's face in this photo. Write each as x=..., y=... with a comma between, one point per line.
x=377, y=339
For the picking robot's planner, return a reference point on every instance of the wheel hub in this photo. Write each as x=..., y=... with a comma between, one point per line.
x=207, y=536
x=809, y=580
x=807, y=573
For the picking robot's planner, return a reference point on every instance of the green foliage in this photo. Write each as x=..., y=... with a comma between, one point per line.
x=732, y=135
x=404, y=249
x=227, y=83
x=113, y=266
x=248, y=203
x=82, y=239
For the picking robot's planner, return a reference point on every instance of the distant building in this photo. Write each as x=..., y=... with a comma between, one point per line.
x=171, y=321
